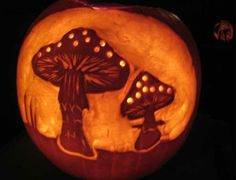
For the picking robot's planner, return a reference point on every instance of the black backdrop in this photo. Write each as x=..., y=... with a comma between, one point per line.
x=209, y=150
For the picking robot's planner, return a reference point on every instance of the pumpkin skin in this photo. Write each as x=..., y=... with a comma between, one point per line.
x=130, y=32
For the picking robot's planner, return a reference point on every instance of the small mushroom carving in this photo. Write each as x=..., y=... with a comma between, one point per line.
x=78, y=64
x=146, y=95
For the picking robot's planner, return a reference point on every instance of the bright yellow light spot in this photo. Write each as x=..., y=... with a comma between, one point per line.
x=152, y=89
x=39, y=55
x=109, y=54
x=169, y=90
x=48, y=49
x=122, y=63
x=144, y=77
x=130, y=100
x=87, y=39
x=160, y=88
x=59, y=44
x=102, y=43
x=145, y=89
x=84, y=32
x=75, y=43
x=138, y=84
x=96, y=49
x=138, y=95
x=71, y=35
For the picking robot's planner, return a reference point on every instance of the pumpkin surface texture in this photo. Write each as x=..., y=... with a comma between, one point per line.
x=108, y=91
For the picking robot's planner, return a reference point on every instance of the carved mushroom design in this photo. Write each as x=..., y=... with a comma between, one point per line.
x=78, y=64
x=146, y=95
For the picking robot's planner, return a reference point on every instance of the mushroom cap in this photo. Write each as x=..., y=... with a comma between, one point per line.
x=146, y=93
x=82, y=51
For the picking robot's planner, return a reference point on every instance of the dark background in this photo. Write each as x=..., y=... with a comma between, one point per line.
x=209, y=150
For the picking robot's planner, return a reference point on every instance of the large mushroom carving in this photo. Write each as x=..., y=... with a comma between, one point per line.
x=78, y=64
x=146, y=95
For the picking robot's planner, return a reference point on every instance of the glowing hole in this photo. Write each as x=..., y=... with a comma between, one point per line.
x=169, y=90
x=48, y=49
x=130, y=100
x=138, y=95
x=75, y=43
x=84, y=32
x=39, y=55
x=59, y=44
x=138, y=84
x=96, y=49
x=87, y=39
x=152, y=89
x=160, y=88
x=122, y=63
x=145, y=89
x=109, y=54
x=102, y=43
x=145, y=78
x=71, y=35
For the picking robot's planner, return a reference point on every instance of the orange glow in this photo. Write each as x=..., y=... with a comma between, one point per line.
x=102, y=43
x=138, y=95
x=145, y=89
x=161, y=88
x=48, y=49
x=71, y=36
x=85, y=32
x=145, y=78
x=103, y=123
x=138, y=84
x=130, y=100
x=75, y=43
x=59, y=44
x=96, y=49
x=87, y=39
x=109, y=54
x=122, y=63
x=152, y=89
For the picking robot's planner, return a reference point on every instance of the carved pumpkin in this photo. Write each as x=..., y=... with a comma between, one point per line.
x=223, y=31
x=108, y=92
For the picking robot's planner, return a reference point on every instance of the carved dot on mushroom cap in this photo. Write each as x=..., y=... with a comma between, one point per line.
x=48, y=49
x=75, y=43
x=87, y=39
x=122, y=63
x=71, y=36
x=96, y=49
x=130, y=100
x=152, y=89
x=39, y=54
x=160, y=88
x=138, y=95
x=145, y=89
x=169, y=90
x=138, y=84
x=109, y=54
x=102, y=43
x=59, y=44
x=84, y=32
x=144, y=77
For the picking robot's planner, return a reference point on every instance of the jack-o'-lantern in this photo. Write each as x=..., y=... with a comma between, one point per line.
x=108, y=92
x=223, y=31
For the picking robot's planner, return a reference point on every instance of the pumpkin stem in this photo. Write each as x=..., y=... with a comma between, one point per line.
x=73, y=100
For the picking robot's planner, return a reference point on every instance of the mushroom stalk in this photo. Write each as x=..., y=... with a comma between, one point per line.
x=73, y=100
x=149, y=133
x=149, y=119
